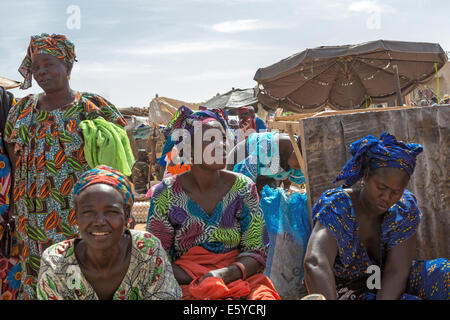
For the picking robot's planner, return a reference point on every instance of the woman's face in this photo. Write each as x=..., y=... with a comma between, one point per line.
x=101, y=216
x=214, y=146
x=383, y=187
x=287, y=154
x=293, y=161
x=50, y=73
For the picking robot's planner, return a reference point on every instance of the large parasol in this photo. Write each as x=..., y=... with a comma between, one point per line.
x=348, y=77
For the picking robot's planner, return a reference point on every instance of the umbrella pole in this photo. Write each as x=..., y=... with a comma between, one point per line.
x=397, y=84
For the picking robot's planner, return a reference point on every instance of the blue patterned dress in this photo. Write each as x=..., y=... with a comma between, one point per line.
x=429, y=279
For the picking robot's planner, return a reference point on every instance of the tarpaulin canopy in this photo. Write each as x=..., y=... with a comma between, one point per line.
x=8, y=84
x=234, y=98
x=162, y=109
x=349, y=76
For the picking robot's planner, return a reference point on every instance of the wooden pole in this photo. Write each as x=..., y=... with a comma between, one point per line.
x=290, y=131
x=302, y=162
x=398, y=87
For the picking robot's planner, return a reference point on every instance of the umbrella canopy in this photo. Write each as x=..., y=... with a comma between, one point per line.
x=234, y=98
x=8, y=84
x=348, y=77
x=162, y=109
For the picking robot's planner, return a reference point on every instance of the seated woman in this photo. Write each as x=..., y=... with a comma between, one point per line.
x=374, y=225
x=109, y=261
x=210, y=222
x=267, y=158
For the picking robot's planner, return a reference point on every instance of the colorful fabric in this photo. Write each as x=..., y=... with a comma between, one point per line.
x=50, y=153
x=335, y=211
x=149, y=275
x=56, y=45
x=264, y=159
x=199, y=261
x=176, y=168
x=185, y=119
x=10, y=276
x=236, y=223
x=245, y=121
x=107, y=143
x=106, y=175
x=370, y=152
x=5, y=180
x=10, y=268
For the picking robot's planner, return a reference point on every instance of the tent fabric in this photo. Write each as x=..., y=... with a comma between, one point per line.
x=8, y=84
x=199, y=261
x=346, y=77
x=234, y=98
x=162, y=109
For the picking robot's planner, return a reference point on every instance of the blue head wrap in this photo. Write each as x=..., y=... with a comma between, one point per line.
x=264, y=159
x=379, y=153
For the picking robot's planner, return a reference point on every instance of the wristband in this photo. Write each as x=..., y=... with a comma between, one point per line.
x=241, y=267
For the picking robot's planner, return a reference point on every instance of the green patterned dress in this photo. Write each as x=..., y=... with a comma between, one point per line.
x=236, y=223
x=149, y=275
x=50, y=158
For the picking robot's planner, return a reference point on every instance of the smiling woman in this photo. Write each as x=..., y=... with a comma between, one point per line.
x=109, y=261
x=46, y=148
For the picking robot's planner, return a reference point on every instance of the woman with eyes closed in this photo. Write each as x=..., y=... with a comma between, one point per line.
x=375, y=225
x=109, y=262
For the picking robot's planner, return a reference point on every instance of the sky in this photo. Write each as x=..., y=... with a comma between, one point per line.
x=130, y=50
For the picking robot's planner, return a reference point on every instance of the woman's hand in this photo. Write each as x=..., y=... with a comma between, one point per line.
x=180, y=275
x=227, y=274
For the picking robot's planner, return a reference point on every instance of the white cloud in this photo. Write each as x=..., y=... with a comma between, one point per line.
x=219, y=75
x=367, y=6
x=244, y=25
x=94, y=69
x=175, y=48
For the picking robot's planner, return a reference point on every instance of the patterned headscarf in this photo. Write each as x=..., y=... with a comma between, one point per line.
x=106, y=175
x=184, y=119
x=56, y=45
x=379, y=153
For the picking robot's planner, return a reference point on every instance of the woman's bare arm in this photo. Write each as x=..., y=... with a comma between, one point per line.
x=396, y=271
x=319, y=261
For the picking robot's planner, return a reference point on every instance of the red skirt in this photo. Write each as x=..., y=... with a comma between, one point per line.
x=199, y=261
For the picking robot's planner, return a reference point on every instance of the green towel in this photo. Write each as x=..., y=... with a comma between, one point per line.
x=107, y=143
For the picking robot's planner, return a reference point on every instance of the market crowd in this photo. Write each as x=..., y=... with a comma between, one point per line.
x=66, y=199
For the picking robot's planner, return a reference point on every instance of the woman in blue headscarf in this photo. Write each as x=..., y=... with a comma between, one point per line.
x=364, y=239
